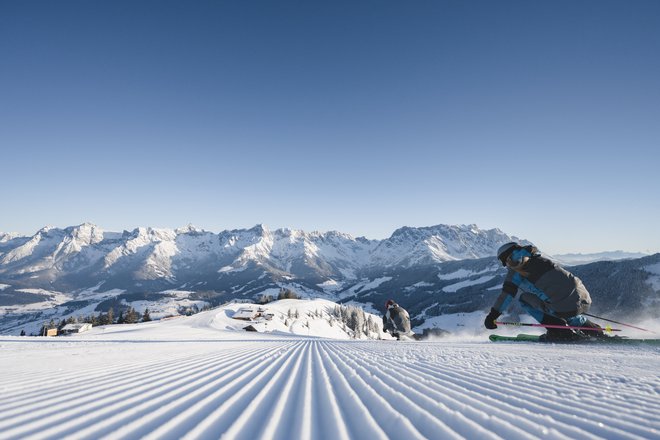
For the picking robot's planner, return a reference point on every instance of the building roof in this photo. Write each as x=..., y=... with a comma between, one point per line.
x=77, y=326
x=245, y=313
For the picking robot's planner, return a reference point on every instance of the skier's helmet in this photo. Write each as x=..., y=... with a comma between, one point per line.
x=388, y=303
x=505, y=250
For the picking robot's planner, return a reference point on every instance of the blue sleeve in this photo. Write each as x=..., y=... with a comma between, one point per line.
x=509, y=291
x=505, y=304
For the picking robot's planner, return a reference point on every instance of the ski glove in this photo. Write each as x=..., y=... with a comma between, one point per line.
x=490, y=319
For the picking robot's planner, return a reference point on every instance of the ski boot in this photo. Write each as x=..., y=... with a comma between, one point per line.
x=560, y=335
x=600, y=334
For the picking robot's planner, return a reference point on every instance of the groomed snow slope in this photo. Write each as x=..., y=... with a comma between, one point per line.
x=185, y=379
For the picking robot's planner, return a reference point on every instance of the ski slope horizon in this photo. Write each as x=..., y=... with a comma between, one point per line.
x=203, y=377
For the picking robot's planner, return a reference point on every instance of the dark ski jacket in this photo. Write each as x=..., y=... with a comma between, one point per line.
x=396, y=320
x=543, y=285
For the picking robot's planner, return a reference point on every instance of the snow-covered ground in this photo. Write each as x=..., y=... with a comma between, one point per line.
x=203, y=377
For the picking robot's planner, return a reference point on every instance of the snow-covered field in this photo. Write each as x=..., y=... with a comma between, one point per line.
x=192, y=377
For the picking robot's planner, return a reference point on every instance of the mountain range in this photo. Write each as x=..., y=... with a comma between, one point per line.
x=431, y=270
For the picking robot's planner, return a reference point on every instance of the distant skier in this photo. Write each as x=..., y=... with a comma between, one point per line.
x=396, y=321
x=549, y=293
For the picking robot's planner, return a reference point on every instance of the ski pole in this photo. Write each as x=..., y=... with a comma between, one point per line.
x=606, y=329
x=616, y=322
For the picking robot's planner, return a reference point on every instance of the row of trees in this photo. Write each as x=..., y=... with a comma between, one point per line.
x=352, y=319
x=192, y=310
x=126, y=316
x=283, y=294
x=357, y=321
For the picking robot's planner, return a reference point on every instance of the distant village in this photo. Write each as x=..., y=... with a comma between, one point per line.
x=129, y=315
x=72, y=324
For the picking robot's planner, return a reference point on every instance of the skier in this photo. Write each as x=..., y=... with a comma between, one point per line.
x=549, y=293
x=396, y=321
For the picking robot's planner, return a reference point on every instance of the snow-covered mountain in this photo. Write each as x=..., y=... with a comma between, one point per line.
x=84, y=256
x=433, y=271
x=408, y=247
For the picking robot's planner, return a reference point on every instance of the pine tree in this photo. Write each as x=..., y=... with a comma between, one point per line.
x=350, y=319
x=287, y=294
x=95, y=320
x=358, y=322
x=131, y=316
x=372, y=326
x=146, y=317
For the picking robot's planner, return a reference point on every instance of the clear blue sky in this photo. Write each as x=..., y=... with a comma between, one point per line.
x=539, y=118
